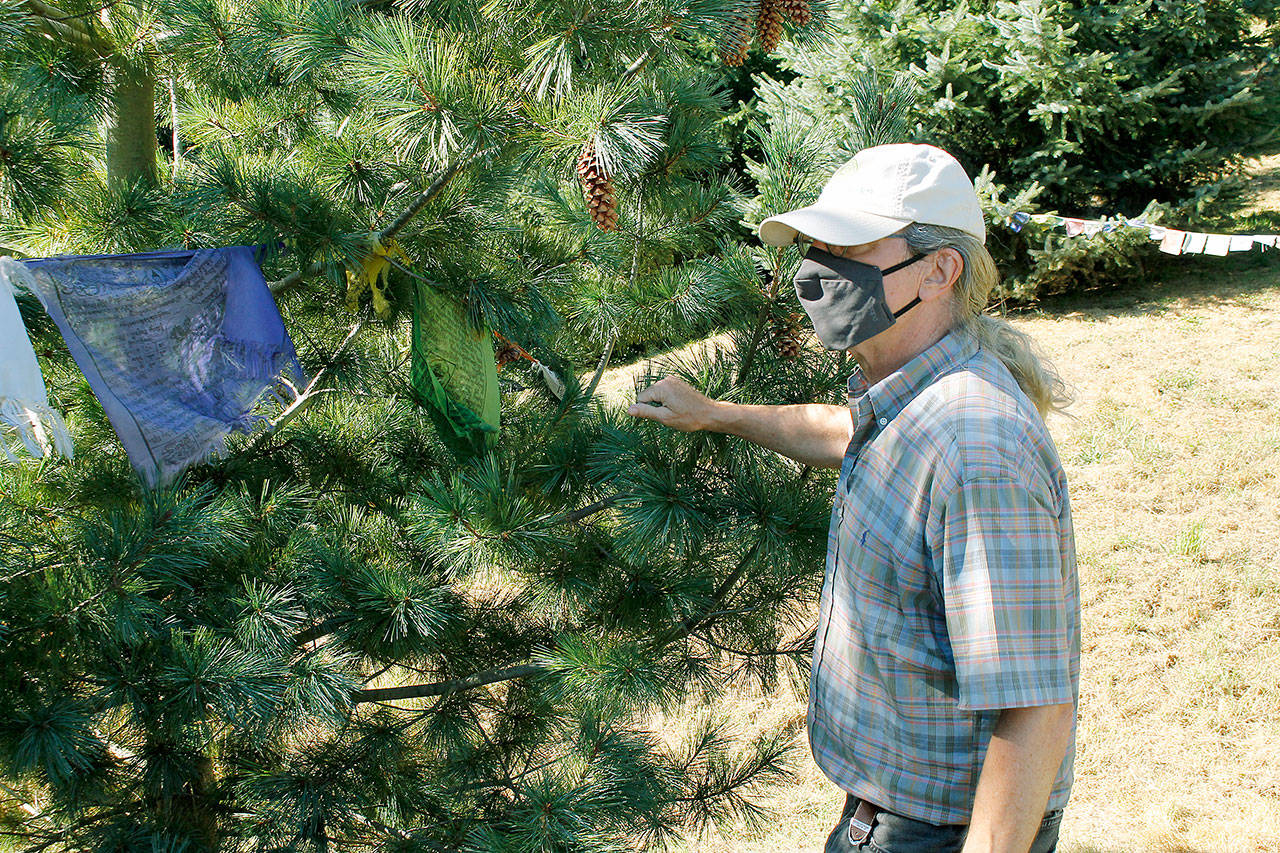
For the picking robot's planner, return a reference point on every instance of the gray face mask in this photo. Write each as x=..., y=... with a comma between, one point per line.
x=845, y=299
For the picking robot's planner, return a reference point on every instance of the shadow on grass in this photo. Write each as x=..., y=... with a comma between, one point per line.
x=1089, y=848
x=1190, y=280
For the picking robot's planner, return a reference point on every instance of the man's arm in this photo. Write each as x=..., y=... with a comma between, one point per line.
x=813, y=434
x=1023, y=758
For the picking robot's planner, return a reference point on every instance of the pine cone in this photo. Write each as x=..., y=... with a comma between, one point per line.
x=786, y=336
x=737, y=43
x=597, y=189
x=797, y=11
x=769, y=23
x=506, y=354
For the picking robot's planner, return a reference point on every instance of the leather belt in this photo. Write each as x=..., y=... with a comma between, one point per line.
x=860, y=821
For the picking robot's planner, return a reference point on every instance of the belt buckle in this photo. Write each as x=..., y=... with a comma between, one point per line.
x=860, y=822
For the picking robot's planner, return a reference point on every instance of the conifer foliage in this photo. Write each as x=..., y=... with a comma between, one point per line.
x=1081, y=107
x=351, y=633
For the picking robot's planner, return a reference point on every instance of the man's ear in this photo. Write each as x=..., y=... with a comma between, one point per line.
x=943, y=273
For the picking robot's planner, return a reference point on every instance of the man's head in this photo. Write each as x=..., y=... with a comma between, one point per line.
x=912, y=212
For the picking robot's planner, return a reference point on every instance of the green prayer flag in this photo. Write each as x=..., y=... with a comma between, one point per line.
x=454, y=373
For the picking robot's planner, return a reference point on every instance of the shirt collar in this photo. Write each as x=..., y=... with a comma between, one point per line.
x=890, y=395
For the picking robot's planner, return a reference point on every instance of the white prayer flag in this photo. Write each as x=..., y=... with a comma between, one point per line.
x=554, y=383
x=1092, y=229
x=1194, y=244
x=1172, y=242
x=24, y=405
x=1217, y=244
x=1241, y=242
x=1266, y=241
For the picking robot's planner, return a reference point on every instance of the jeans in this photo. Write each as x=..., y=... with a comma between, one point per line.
x=892, y=833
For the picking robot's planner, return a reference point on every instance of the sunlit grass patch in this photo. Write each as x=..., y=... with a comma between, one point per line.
x=1190, y=542
x=1114, y=430
x=1177, y=382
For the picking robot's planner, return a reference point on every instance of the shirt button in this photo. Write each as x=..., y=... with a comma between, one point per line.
x=884, y=421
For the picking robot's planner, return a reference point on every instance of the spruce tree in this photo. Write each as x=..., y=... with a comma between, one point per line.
x=350, y=632
x=1086, y=108
x=1103, y=104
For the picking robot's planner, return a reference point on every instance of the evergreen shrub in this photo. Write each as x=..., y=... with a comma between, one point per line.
x=1086, y=108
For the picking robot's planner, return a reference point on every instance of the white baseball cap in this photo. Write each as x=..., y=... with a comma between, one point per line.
x=879, y=192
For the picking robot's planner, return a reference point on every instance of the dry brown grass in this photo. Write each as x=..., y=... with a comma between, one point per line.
x=1173, y=460
x=1264, y=185
x=1172, y=453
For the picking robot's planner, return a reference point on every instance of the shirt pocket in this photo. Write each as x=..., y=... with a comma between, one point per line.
x=896, y=606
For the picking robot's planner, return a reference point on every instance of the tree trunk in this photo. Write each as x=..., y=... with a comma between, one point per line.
x=131, y=125
x=177, y=131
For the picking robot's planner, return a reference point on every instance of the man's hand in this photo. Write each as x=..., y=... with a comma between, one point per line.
x=675, y=403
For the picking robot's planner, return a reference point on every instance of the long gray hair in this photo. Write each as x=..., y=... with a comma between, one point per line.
x=1034, y=373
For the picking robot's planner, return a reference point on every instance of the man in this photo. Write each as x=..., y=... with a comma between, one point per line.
x=946, y=666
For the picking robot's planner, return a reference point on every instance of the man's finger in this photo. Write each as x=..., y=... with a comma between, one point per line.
x=654, y=393
x=651, y=413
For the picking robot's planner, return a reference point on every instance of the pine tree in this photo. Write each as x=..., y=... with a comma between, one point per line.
x=347, y=632
x=1100, y=103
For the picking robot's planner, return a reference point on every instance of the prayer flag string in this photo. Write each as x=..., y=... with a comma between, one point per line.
x=1172, y=240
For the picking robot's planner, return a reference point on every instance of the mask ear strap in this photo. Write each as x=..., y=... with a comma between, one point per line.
x=914, y=302
x=905, y=308
x=908, y=262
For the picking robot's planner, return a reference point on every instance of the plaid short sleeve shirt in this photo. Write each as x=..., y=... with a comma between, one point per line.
x=950, y=590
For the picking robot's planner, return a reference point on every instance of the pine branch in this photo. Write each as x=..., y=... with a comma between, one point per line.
x=309, y=394
x=397, y=225
x=53, y=13
x=98, y=11
x=31, y=810
x=58, y=23
x=758, y=333
x=600, y=367
x=587, y=511
x=60, y=835
x=482, y=679
x=444, y=688
x=634, y=68
x=793, y=647
x=431, y=192
x=693, y=623
x=316, y=632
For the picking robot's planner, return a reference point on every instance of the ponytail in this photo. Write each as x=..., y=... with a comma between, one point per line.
x=1034, y=373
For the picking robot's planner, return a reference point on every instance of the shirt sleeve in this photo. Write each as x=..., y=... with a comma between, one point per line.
x=1006, y=597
